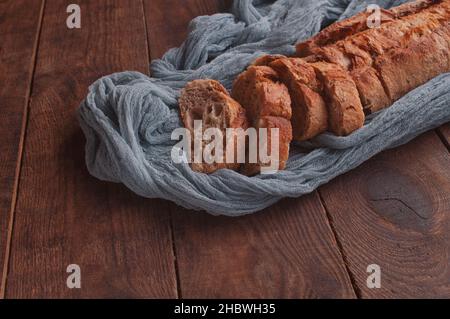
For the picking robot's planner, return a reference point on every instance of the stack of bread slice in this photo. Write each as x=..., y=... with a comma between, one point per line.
x=268, y=105
x=345, y=72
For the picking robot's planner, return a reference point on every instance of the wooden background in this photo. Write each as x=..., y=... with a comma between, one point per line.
x=393, y=211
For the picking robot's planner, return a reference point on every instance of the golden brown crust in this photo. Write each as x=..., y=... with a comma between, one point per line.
x=371, y=90
x=339, y=31
x=372, y=55
x=265, y=60
x=309, y=112
x=405, y=69
x=345, y=111
x=260, y=92
x=209, y=101
x=412, y=7
x=347, y=28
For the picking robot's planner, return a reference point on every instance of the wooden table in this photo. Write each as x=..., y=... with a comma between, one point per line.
x=393, y=211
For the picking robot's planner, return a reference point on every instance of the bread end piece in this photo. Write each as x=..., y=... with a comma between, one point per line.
x=209, y=102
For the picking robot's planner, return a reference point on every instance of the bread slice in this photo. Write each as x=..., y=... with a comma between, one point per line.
x=261, y=94
x=371, y=90
x=372, y=55
x=309, y=111
x=285, y=137
x=345, y=111
x=209, y=101
x=268, y=105
x=339, y=31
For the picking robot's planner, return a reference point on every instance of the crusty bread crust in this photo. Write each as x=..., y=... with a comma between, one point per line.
x=345, y=111
x=265, y=60
x=209, y=101
x=404, y=69
x=309, y=111
x=412, y=7
x=260, y=92
x=340, y=74
x=339, y=31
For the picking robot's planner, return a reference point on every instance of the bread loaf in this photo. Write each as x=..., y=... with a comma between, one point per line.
x=357, y=24
x=284, y=139
x=209, y=102
x=345, y=112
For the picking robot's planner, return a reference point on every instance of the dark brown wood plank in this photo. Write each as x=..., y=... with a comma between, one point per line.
x=288, y=251
x=64, y=216
x=19, y=29
x=168, y=31
x=394, y=211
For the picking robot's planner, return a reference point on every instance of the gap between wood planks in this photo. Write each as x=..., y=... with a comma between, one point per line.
x=64, y=215
x=23, y=130
x=174, y=256
x=172, y=235
x=353, y=280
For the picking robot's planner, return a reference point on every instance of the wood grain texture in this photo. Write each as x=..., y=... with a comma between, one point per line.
x=19, y=28
x=394, y=211
x=167, y=21
x=64, y=216
x=287, y=251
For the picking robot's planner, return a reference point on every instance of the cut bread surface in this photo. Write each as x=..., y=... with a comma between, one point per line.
x=209, y=102
x=268, y=105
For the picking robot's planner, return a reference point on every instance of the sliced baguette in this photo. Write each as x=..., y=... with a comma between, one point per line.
x=424, y=58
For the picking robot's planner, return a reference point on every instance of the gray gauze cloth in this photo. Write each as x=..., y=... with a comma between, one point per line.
x=128, y=117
